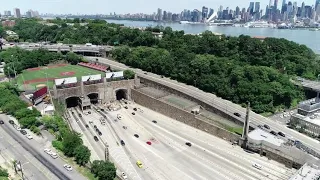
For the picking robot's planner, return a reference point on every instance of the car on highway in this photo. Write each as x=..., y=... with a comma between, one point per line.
x=281, y=134
x=99, y=132
x=133, y=113
x=259, y=126
x=139, y=164
x=136, y=135
x=266, y=126
x=237, y=114
x=135, y=109
x=67, y=167
x=188, y=144
x=119, y=116
x=95, y=138
x=1, y=122
x=11, y=122
x=24, y=132
x=126, y=107
x=29, y=136
x=122, y=143
x=89, y=112
x=124, y=127
x=87, y=126
x=258, y=166
x=95, y=127
x=154, y=121
x=124, y=176
x=149, y=143
x=80, y=115
x=274, y=133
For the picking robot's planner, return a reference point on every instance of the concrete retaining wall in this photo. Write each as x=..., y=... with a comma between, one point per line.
x=181, y=115
x=181, y=94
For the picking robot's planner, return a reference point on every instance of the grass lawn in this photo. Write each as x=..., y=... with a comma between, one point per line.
x=39, y=75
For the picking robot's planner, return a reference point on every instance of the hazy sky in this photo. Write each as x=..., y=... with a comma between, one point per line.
x=124, y=6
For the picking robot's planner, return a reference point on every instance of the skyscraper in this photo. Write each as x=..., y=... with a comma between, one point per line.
x=204, y=13
x=270, y=3
x=317, y=3
x=251, y=8
x=211, y=11
x=159, y=15
x=237, y=11
x=17, y=13
x=257, y=7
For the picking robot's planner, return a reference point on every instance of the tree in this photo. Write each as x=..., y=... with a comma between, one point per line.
x=82, y=154
x=128, y=74
x=103, y=170
x=73, y=58
x=71, y=141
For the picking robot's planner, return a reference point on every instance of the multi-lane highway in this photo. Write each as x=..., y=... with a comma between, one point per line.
x=36, y=156
x=168, y=157
x=219, y=103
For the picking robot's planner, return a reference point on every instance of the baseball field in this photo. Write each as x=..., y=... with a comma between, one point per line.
x=29, y=79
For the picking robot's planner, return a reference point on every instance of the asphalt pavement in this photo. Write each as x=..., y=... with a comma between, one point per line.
x=36, y=151
x=219, y=103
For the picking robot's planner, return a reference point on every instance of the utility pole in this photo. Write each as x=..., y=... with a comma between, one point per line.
x=21, y=170
x=106, y=153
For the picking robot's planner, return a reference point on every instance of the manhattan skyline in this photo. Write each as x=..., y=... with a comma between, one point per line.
x=126, y=6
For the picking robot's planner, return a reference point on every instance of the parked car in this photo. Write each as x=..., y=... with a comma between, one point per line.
x=149, y=143
x=95, y=138
x=29, y=136
x=237, y=114
x=124, y=176
x=87, y=126
x=67, y=167
x=154, y=121
x=48, y=151
x=1, y=122
x=23, y=132
x=126, y=107
x=11, y=122
x=188, y=144
x=54, y=155
x=122, y=143
x=80, y=115
x=259, y=126
x=99, y=132
x=135, y=109
x=258, y=166
x=133, y=113
x=266, y=126
x=95, y=127
x=124, y=127
x=136, y=135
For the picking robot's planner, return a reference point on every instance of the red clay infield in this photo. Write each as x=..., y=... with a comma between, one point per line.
x=67, y=73
x=38, y=80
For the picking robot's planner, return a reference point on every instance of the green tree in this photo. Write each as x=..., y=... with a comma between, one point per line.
x=71, y=140
x=103, y=170
x=82, y=155
x=128, y=74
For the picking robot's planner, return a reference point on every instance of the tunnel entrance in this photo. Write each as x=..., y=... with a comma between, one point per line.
x=72, y=102
x=121, y=94
x=94, y=97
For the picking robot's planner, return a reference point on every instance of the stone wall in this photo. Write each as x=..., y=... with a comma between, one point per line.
x=206, y=106
x=181, y=115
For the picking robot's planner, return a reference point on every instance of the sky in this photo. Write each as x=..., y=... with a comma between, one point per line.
x=125, y=6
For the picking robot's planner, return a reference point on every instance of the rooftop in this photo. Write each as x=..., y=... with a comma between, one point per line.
x=259, y=135
x=307, y=172
x=314, y=119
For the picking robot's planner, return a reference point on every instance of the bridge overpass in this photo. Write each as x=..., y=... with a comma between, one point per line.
x=308, y=84
x=102, y=51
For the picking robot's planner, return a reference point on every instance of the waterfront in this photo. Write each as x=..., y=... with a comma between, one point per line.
x=302, y=36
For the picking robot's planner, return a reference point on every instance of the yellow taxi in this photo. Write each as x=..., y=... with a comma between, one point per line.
x=139, y=164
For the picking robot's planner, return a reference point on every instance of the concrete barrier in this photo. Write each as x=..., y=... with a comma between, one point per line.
x=181, y=115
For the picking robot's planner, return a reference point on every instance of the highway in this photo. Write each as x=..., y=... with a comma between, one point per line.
x=169, y=158
x=36, y=153
x=219, y=103
x=11, y=150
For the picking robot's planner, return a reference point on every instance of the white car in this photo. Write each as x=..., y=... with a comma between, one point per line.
x=67, y=167
x=54, y=155
x=18, y=128
x=124, y=176
x=29, y=136
x=258, y=166
x=48, y=151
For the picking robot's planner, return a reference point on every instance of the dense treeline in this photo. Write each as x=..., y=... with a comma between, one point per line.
x=240, y=68
x=17, y=59
x=264, y=87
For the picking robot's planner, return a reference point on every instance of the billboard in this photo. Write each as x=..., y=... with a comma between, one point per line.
x=118, y=74
x=64, y=81
x=91, y=78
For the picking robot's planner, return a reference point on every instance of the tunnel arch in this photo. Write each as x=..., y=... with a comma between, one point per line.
x=72, y=101
x=121, y=94
x=94, y=97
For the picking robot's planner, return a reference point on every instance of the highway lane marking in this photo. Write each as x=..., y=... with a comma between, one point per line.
x=36, y=164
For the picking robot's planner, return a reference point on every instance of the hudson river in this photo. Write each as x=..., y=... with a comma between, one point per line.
x=309, y=38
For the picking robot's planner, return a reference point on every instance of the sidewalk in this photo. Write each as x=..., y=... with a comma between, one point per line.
x=5, y=164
